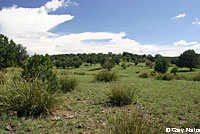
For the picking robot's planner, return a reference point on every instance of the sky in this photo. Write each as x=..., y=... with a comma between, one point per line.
x=166, y=27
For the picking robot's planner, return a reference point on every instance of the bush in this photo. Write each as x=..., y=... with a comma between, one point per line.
x=106, y=76
x=137, y=72
x=164, y=77
x=108, y=65
x=167, y=77
x=39, y=66
x=174, y=70
x=28, y=98
x=196, y=77
x=161, y=65
x=68, y=84
x=122, y=94
x=131, y=122
x=144, y=75
x=123, y=65
x=153, y=73
x=149, y=64
x=159, y=77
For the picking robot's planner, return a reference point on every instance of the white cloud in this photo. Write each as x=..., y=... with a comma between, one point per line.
x=196, y=21
x=54, y=4
x=19, y=21
x=30, y=27
x=179, y=16
x=184, y=43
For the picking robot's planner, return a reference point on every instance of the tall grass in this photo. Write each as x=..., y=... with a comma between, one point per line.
x=131, y=122
x=2, y=78
x=196, y=77
x=68, y=84
x=122, y=94
x=106, y=76
x=28, y=98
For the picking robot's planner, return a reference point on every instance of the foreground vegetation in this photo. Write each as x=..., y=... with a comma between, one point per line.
x=97, y=93
x=86, y=108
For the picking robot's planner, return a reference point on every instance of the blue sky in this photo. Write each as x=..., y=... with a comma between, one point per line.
x=139, y=26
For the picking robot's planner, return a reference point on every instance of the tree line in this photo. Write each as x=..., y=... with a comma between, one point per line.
x=12, y=54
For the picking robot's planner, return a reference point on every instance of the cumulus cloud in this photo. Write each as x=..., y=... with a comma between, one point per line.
x=19, y=21
x=179, y=16
x=196, y=21
x=184, y=43
x=31, y=26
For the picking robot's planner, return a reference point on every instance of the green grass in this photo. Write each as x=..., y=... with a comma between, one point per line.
x=174, y=103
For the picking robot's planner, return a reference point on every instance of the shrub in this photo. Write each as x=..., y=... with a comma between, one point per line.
x=131, y=122
x=164, y=77
x=39, y=66
x=149, y=64
x=144, y=75
x=153, y=73
x=106, y=76
x=137, y=72
x=108, y=65
x=123, y=65
x=167, y=77
x=161, y=65
x=196, y=77
x=159, y=77
x=122, y=94
x=68, y=84
x=174, y=70
x=28, y=98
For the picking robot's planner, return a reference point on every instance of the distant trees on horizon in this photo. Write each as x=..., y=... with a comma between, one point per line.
x=12, y=54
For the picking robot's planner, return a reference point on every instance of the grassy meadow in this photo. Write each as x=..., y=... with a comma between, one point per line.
x=87, y=108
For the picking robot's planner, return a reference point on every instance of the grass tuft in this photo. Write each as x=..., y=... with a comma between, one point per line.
x=122, y=94
x=131, y=122
x=68, y=84
x=196, y=77
x=28, y=98
x=106, y=76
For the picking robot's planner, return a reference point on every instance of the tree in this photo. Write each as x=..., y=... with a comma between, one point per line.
x=21, y=54
x=150, y=57
x=188, y=59
x=161, y=65
x=7, y=52
x=40, y=67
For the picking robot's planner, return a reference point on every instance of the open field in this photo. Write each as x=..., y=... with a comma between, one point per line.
x=173, y=103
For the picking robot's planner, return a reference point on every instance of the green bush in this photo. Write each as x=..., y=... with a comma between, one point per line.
x=106, y=76
x=167, y=77
x=161, y=65
x=153, y=73
x=39, y=66
x=123, y=65
x=159, y=77
x=144, y=75
x=68, y=84
x=122, y=94
x=174, y=70
x=108, y=65
x=131, y=122
x=196, y=77
x=28, y=98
